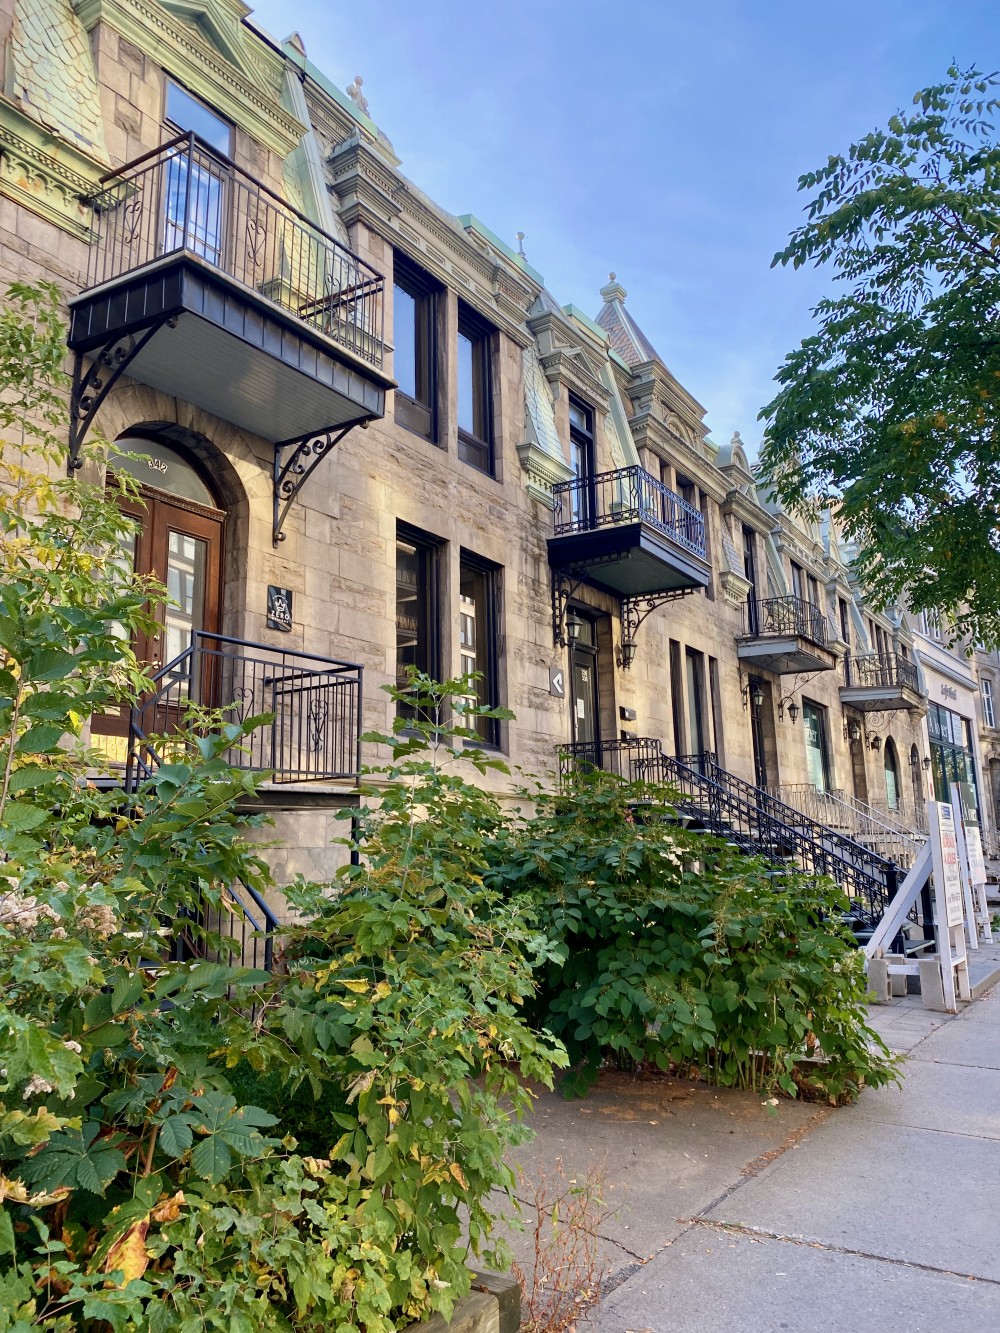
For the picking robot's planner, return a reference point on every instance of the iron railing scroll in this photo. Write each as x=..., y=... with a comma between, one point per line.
x=783, y=616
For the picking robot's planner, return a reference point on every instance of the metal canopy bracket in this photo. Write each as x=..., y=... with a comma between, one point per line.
x=291, y=475
x=91, y=387
x=634, y=612
x=564, y=585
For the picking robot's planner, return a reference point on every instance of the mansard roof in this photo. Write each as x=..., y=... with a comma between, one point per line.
x=624, y=334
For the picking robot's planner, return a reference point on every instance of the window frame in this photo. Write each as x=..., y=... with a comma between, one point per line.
x=488, y=688
x=428, y=588
x=989, y=705
x=478, y=450
x=418, y=414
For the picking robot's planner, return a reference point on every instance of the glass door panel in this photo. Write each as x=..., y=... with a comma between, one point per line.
x=186, y=575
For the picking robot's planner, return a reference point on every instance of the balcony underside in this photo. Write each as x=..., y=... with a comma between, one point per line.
x=882, y=698
x=785, y=655
x=629, y=560
x=229, y=350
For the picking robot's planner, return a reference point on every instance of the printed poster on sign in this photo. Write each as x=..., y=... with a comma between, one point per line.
x=945, y=850
x=279, y=608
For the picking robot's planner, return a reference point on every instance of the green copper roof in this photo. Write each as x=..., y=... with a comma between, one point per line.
x=471, y=223
x=52, y=74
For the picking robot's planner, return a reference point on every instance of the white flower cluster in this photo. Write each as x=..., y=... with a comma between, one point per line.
x=99, y=918
x=19, y=913
x=36, y=1087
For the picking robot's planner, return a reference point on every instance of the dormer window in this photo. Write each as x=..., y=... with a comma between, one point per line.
x=184, y=112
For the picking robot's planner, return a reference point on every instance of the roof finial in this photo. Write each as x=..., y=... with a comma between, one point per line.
x=356, y=95
x=295, y=40
x=613, y=290
x=520, y=244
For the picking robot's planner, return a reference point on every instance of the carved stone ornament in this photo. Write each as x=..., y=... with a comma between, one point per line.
x=543, y=472
x=735, y=587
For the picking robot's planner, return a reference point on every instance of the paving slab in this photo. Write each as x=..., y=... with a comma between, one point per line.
x=666, y=1148
x=711, y=1279
x=930, y=1099
x=915, y=1195
x=970, y=1041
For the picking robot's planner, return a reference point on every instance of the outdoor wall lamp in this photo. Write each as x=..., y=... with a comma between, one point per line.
x=787, y=702
x=852, y=731
x=875, y=743
x=753, y=694
x=626, y=654
x=927, y=763
x=572, y=627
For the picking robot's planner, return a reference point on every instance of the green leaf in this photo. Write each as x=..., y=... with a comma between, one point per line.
x=7, y=1245
x=41, y=739
x=21, y=817
x=211, y=1159
x=128, y=990
x=175, y=1135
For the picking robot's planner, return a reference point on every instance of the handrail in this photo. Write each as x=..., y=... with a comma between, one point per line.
x=313, y=705
x=626, y=495
x=765, y=826
x=880, y=670
x=772, y=616
x=185, y=197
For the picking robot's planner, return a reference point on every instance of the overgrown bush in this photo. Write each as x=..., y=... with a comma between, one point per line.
x=675, y=950
x=150, y=1174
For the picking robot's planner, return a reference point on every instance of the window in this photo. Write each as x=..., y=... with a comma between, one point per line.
x=891, y=768
x=195, y=194
x=798, y=581
x=479, y=637
x=417, y=642
x=184, y=112
x=813, y=591
x=931, y=623
x=687, y=490
x=581, y=459
x=989, y=713
x=845, y=621
x=414, y=347
x=475, y=391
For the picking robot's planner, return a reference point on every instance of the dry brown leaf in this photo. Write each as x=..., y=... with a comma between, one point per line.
x=129, y=1252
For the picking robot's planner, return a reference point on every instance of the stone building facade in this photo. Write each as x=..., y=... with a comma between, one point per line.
x=370, y=436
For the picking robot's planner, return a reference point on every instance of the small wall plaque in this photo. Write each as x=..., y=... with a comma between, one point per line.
x=557, y=682
x=279, y=608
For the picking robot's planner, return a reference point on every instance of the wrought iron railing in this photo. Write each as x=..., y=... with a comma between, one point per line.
x=625, y=759
x=239, y=931
x=761, y=825
x=881, y=670
x=627, y=495
x=867, y=824
x=186, y=197
x=314, y=707
x=781, y=616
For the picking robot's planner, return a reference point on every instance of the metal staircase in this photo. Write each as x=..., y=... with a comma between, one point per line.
x=753, y=820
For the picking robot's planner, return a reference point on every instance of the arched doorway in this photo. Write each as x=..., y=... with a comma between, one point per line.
x=178, y=542
x=893, y=790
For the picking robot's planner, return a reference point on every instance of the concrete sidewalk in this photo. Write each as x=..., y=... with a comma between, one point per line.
x=730, y=1215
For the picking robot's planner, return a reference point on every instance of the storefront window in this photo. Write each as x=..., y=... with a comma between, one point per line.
x=950, y=737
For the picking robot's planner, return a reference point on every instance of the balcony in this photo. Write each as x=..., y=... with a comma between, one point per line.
x=206, y=285
x=311, y=708
x=881, y=682
x=785, y=635
x=625, y=533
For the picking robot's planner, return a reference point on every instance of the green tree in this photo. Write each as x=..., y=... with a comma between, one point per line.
x=889, y=413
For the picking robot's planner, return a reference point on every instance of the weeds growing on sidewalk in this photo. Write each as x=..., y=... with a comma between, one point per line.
x=563, y=1273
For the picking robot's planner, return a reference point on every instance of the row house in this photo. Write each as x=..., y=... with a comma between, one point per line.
x=368, y=437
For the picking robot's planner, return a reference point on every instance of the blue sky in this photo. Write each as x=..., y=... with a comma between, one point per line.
x=659, y=140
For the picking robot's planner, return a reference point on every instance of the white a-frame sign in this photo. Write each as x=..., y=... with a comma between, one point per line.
x=949, y=905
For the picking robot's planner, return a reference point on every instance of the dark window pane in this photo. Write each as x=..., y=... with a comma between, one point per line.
x=186, y=113
x=478, y=592
x=416, y=613
x=404, y=332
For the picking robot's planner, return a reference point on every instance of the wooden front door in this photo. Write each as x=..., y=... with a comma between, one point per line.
x=179, y=543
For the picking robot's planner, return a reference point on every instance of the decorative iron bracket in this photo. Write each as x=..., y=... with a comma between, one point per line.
x=91, y=387
x=634, y=612
x=564, y=585
x=290, y=476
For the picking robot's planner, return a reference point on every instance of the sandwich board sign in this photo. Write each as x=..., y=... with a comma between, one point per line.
x=949, y=905
x=973, y=866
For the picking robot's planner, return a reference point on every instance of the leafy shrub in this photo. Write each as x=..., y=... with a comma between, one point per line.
x=674, y=949
x=150, y=1174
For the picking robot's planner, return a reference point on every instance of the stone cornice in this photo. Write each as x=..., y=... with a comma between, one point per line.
x=368, y=191
x=748, y=511
x=44, y=174
x=248, y=96
x=649, y=432
x=569, y=366
x=543, y=472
